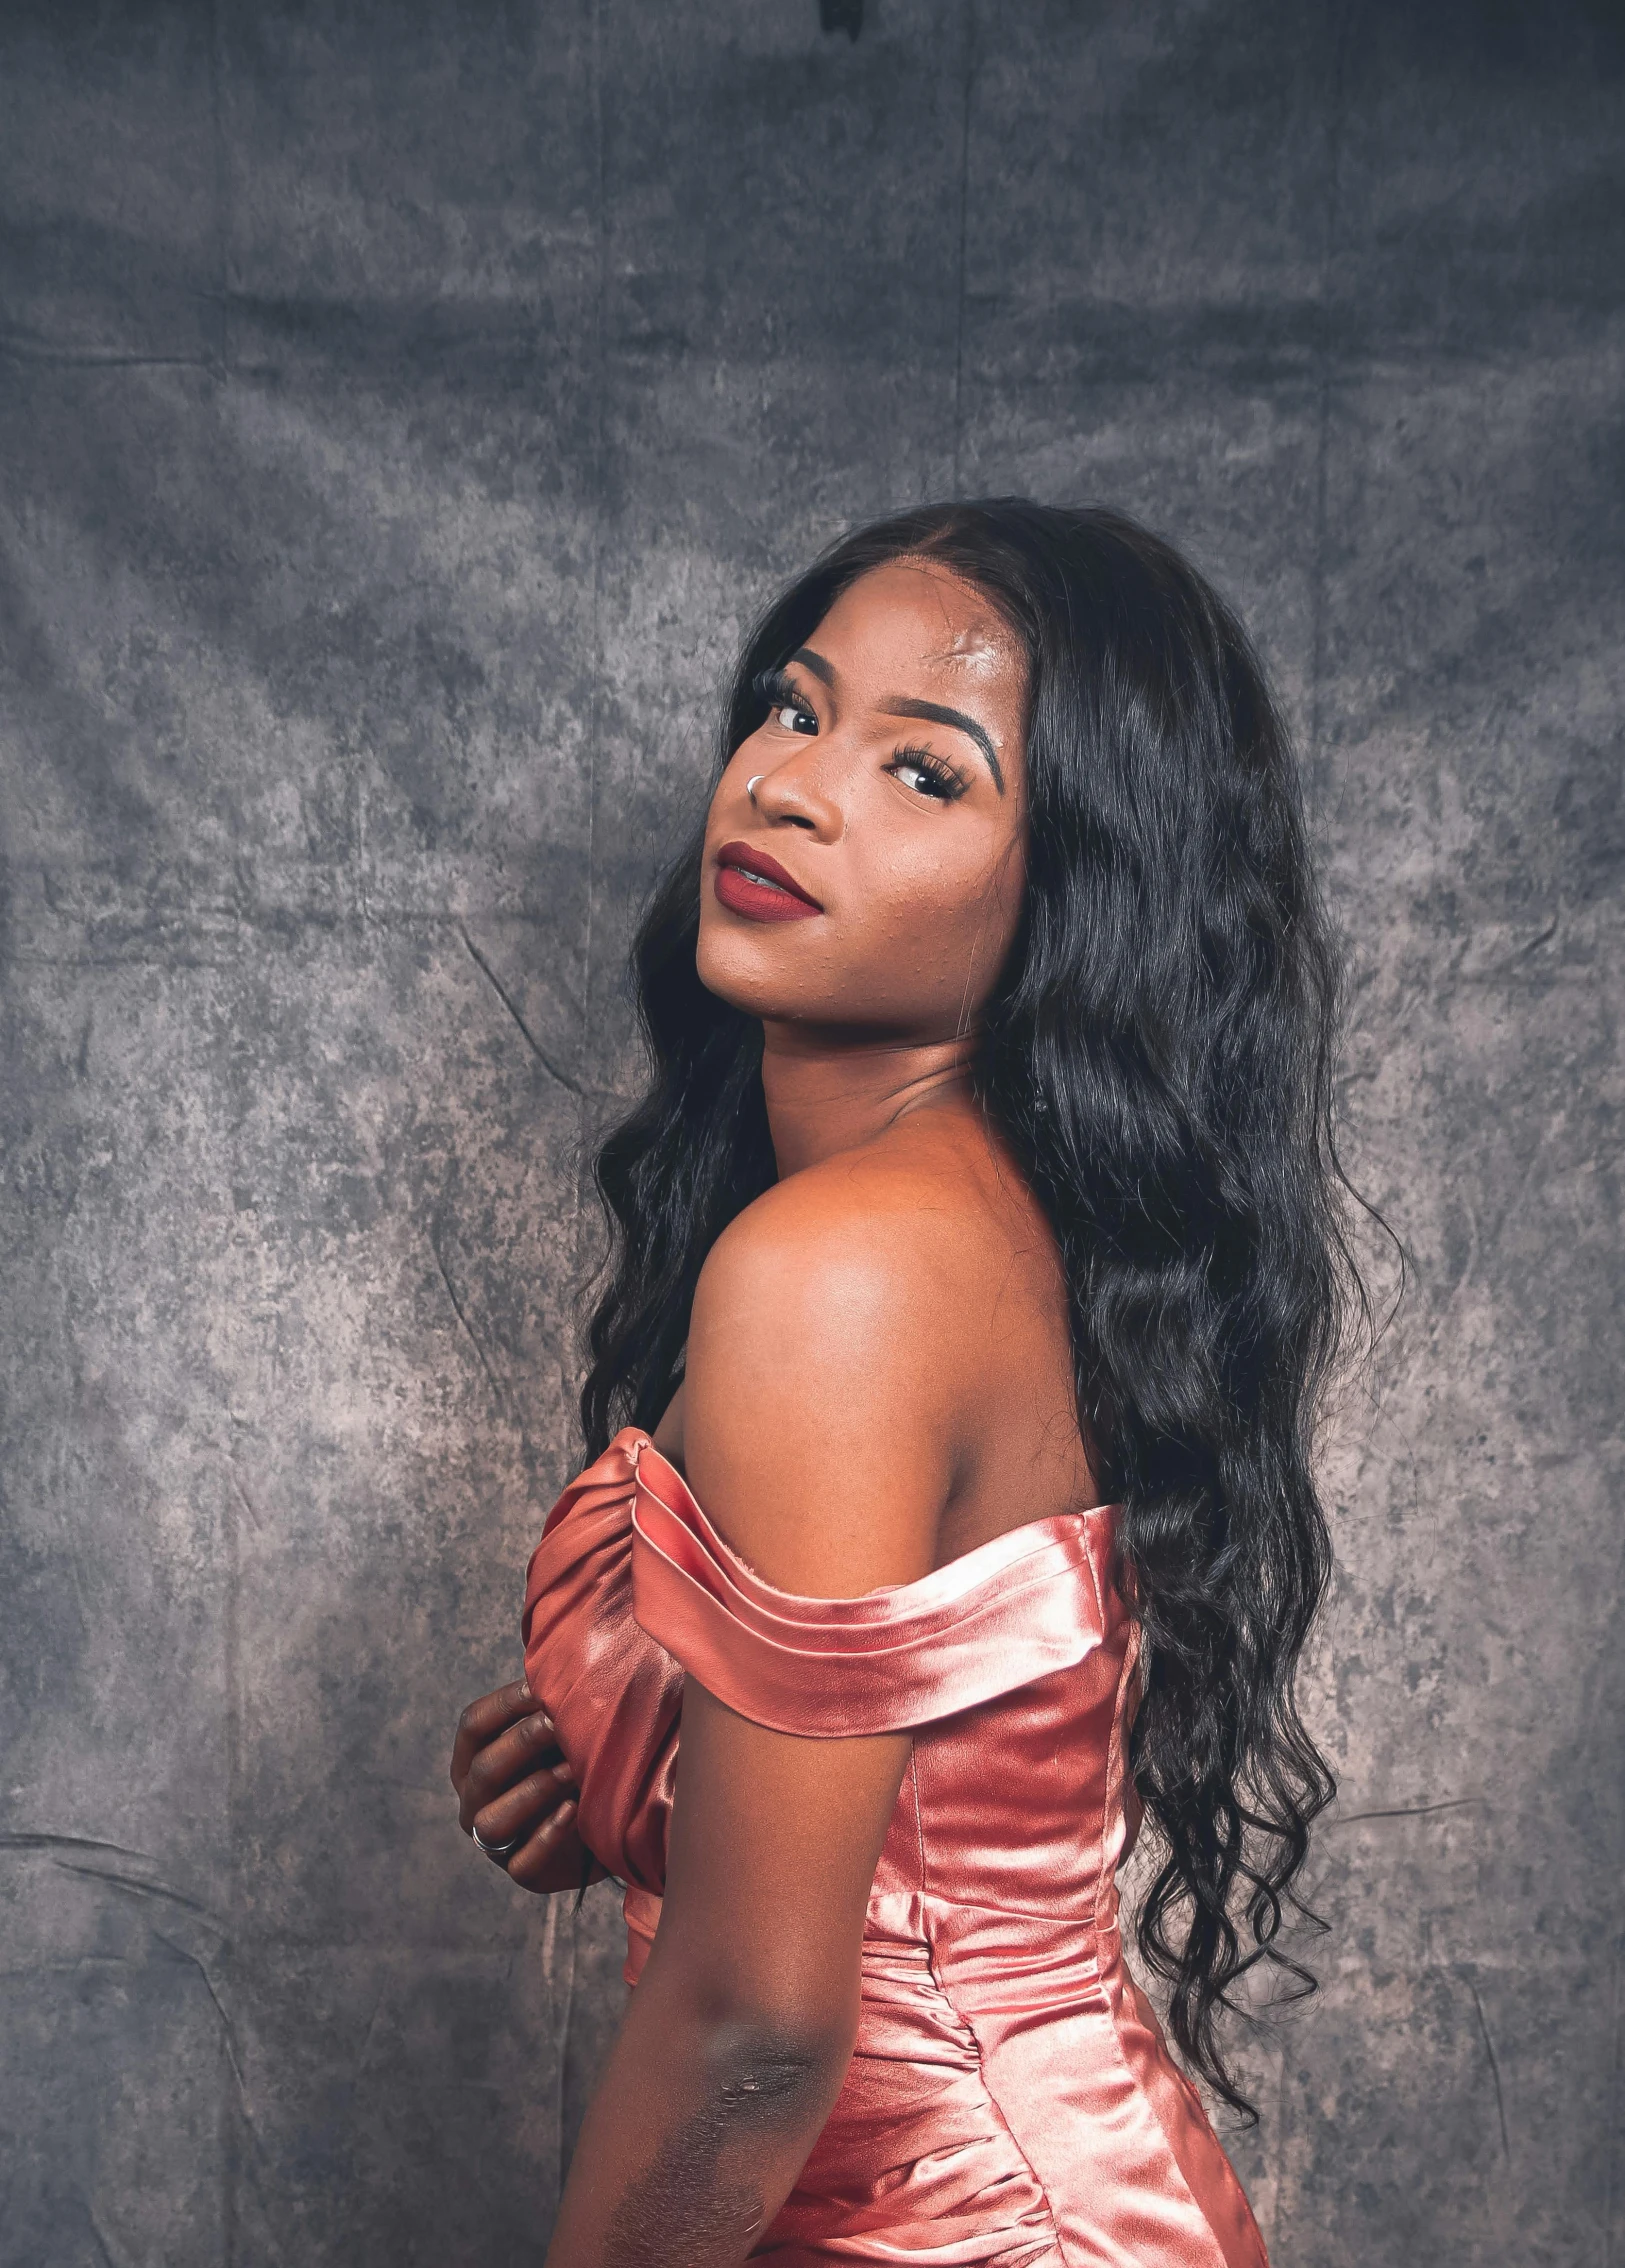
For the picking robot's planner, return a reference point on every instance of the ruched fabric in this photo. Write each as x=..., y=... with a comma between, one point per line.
x=1011, y=2099
x=614, y=1697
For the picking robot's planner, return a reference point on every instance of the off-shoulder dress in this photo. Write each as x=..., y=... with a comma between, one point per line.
x=1010, y=2099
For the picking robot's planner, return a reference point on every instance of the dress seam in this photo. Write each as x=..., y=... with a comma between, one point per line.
x=919, y=1809
x=1147, y=2100
x=998, y=2109
x=1115, y=1780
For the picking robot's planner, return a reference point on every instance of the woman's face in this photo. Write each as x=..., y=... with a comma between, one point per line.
x=890, y=787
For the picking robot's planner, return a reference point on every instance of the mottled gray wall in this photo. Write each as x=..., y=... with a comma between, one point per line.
x=401, y=408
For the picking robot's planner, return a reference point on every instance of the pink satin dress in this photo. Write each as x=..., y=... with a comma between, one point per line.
x=1010, y=2099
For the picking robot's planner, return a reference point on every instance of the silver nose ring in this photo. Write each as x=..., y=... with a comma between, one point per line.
x=752, y=785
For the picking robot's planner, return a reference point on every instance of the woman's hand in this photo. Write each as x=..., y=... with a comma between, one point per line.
x=513, y=1783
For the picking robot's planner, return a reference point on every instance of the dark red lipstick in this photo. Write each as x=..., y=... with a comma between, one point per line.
x=750, y=883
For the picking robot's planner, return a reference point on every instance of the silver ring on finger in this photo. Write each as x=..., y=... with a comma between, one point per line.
x=498, y=1851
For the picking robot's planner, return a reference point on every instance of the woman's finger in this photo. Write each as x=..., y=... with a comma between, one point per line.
x=507, y=1756
x=524, y=1807
x=554, y=1858
x=483, y=1719
x=503, y=1762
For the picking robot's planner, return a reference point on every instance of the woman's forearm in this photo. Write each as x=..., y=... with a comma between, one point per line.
x=698, y=2130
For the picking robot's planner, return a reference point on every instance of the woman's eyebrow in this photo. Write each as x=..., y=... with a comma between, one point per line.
x=930, y=712
x=933, y=712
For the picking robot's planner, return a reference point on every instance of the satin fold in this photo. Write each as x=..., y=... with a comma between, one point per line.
x=1011, y=2099
x=989, y=1622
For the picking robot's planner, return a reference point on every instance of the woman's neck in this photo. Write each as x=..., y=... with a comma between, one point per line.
x=829, y=1091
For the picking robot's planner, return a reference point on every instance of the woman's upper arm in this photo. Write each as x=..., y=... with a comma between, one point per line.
x=774, y=1844
x=815, y=1438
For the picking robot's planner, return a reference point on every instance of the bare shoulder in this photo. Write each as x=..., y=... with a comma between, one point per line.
x=842, y=1336
x=866, y=1230
x=882, y=1255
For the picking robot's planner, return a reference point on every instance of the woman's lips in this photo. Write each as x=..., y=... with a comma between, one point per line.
x=750, y=883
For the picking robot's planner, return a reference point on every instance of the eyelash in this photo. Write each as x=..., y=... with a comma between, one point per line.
x=775, y=691
x=949, y=786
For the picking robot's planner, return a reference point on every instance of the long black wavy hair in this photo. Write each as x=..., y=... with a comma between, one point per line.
x=1158, y=1054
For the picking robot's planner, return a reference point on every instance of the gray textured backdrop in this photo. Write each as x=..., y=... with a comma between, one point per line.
x=401, y=409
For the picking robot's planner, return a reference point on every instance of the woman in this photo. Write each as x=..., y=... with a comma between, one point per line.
x=976, y=1270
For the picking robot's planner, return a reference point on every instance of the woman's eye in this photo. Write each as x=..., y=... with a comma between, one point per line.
x=790, y=716
x=924, y=779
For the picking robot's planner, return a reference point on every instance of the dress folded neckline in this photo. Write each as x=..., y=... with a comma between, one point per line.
x=1019, y=1607
x=949, y=1586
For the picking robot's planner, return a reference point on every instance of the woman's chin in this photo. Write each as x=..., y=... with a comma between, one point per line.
x=747, y=970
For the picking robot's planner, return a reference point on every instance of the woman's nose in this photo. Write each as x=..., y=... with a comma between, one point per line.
x=795, y=793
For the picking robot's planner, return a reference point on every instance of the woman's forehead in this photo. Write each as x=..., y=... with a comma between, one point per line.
x=977, y=649
x=948, y=625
